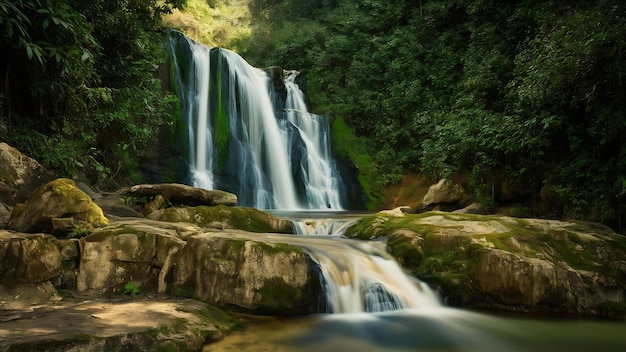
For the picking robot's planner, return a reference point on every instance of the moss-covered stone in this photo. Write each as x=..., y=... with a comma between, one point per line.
x=225, y=217
x=60, y=198
x=496, y=261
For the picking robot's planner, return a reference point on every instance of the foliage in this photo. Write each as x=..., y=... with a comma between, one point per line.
x=212, y=22
x=351, y=148
x=81, y=85
x=130, y=288
x=527, y=92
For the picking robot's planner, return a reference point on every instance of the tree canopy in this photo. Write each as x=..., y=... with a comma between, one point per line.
x=531, y=93
x=80, y=86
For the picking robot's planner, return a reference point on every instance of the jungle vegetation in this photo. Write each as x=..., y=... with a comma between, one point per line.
x=80, y=89
x=526, y=93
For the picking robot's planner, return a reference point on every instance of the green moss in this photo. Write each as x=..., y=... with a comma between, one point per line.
x=278, y=296
x=407, y=254
x=221, y=121
x=214, y=316
x=521, y=212
x=236, y=246
x=458, y=288
x=248, y=219
x=278, y=248
x=182, y=291
x=347, y=146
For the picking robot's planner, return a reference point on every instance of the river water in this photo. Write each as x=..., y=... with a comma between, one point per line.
x=375, y=306
x=442, y=329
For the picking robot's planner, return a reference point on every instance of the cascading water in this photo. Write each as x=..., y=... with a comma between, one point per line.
x=251, y=133
x=361, y=277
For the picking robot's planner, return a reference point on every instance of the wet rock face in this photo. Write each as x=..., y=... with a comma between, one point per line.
x=52, y=202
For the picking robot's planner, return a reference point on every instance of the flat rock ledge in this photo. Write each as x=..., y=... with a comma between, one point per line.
x=509, y=264
x=184, y=195
x=119, y=324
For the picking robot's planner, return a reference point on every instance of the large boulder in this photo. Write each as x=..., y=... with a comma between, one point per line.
x=29, y=265
x=58, y=205
x=444, y=191
x=223, y=217
x=132, y=253
x=256, y=276
x=28, y=258
x=19, y=175
x=529, y=265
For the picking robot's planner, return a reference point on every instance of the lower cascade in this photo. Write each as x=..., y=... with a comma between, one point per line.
x=360, y=277
x=365, y=279
x=250, y=132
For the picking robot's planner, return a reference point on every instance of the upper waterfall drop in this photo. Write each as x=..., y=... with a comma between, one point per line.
x=250, y=131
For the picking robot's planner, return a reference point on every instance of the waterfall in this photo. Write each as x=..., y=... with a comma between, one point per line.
x=358, y=276
x=362, y=277
x=250, y=131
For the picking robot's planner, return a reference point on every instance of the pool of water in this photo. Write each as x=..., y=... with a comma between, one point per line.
x=437, y=329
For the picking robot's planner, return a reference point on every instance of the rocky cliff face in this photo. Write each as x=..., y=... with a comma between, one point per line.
x=528, y=265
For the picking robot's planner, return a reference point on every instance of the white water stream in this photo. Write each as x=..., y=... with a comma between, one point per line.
x=251, y=133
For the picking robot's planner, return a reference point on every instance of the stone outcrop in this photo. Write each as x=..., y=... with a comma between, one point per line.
x=140, y=324
x=528, y=265
x=223, y=217
x=179, y=194
x=447, y=195
x=225, y=268
x=57, y=206
x=444, y=191
x=257, y=276
x=120, y=254
x=29, y=258
x=19, y=175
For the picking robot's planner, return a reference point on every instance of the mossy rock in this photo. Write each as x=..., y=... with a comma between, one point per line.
x=503, y=262
x=225, y=217
x=60, y=198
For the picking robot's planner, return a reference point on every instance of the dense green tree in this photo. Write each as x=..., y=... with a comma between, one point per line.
x=523, y=91
x=81, y=89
